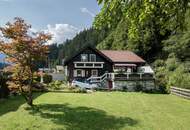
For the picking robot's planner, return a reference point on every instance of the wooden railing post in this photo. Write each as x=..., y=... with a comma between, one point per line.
x=113, y=76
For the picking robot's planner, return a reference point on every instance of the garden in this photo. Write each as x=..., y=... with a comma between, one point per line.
x=96, y=111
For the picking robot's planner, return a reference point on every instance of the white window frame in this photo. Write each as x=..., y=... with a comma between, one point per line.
x=94, y=71
x=86, y=57
x=85, y=66
x=76, y=73
x=91, y=57
x=129, y=70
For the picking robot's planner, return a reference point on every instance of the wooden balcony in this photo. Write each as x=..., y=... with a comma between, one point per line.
x=88, y=64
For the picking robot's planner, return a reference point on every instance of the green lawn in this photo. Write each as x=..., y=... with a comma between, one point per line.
x=96, y=111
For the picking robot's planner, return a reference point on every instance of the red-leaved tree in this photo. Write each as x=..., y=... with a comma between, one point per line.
x=23, y=49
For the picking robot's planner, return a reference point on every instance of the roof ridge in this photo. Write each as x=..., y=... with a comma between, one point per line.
x=117, y=50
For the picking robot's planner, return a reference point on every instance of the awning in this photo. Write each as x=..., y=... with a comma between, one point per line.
x=125, y=65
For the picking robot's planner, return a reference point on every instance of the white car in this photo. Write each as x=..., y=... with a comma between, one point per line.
x=83, y=84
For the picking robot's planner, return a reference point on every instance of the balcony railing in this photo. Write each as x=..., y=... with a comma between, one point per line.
x=88, y=64
x=132, y=76
x=122, y=77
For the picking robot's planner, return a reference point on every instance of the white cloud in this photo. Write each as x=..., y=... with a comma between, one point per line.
x=33, y=30
x=85, y=10
x=61, y=32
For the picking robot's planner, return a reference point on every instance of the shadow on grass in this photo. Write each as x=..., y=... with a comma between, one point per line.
x=13, y=103
x=81, y=118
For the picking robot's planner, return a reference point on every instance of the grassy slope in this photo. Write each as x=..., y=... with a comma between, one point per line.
x=97, y=111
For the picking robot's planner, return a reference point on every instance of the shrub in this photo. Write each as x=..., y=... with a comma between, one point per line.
x=172, y=72
x=138, y=87
x=161, y=75
x=39, y=87
x=47, y=78
x=124, y=88
x=79, y=90
x=4, y=91
x=55, y=85
x=61, y=85
x=180, y=78
x=150, y=91
x=37, y=77
x=163, y=89
x=71, y=87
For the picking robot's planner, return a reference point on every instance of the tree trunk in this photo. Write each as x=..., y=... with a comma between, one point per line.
x=30, y=99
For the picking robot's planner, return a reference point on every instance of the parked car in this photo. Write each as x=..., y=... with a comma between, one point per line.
x=83, y=84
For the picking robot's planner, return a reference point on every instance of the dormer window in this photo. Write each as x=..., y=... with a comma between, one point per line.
x=92, y=57
x=84, y=57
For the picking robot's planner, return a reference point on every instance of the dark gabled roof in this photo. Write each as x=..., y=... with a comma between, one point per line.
x=122, y=56
x=112, y=56
x=80, y=51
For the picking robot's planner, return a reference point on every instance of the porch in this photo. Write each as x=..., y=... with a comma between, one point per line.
x=119, y=81
x=122, y=77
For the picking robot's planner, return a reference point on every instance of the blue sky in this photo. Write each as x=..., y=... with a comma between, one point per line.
x=62, y=18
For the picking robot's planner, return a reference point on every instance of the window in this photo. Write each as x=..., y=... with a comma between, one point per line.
x=98, y=65
x=89, y=65
x=79, y=73
x=84, y=57
x=94, y=73
x=79, y=64
x=92, y=57
x=129, y=70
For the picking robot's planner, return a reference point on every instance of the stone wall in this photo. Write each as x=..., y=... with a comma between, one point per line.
x=134, y=85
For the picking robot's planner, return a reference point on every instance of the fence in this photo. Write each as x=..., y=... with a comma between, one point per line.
x=185, y=93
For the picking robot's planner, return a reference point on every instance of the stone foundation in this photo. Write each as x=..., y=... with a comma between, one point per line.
x=134, y=85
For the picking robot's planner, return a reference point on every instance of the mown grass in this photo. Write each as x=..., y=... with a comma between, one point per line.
x=96, y=111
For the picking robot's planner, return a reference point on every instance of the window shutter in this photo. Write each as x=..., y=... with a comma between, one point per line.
x=83, y=73
x=66, y=71
x=75, y=73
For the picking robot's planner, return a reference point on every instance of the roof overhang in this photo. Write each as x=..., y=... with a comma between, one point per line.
x=125, y=65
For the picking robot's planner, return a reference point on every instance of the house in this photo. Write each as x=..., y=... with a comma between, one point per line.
x=115, y=69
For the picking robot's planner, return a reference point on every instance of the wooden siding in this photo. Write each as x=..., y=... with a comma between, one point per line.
x=107, y=66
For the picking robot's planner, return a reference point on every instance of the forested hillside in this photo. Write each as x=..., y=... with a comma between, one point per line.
x=159, y=31
x=141, y=26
